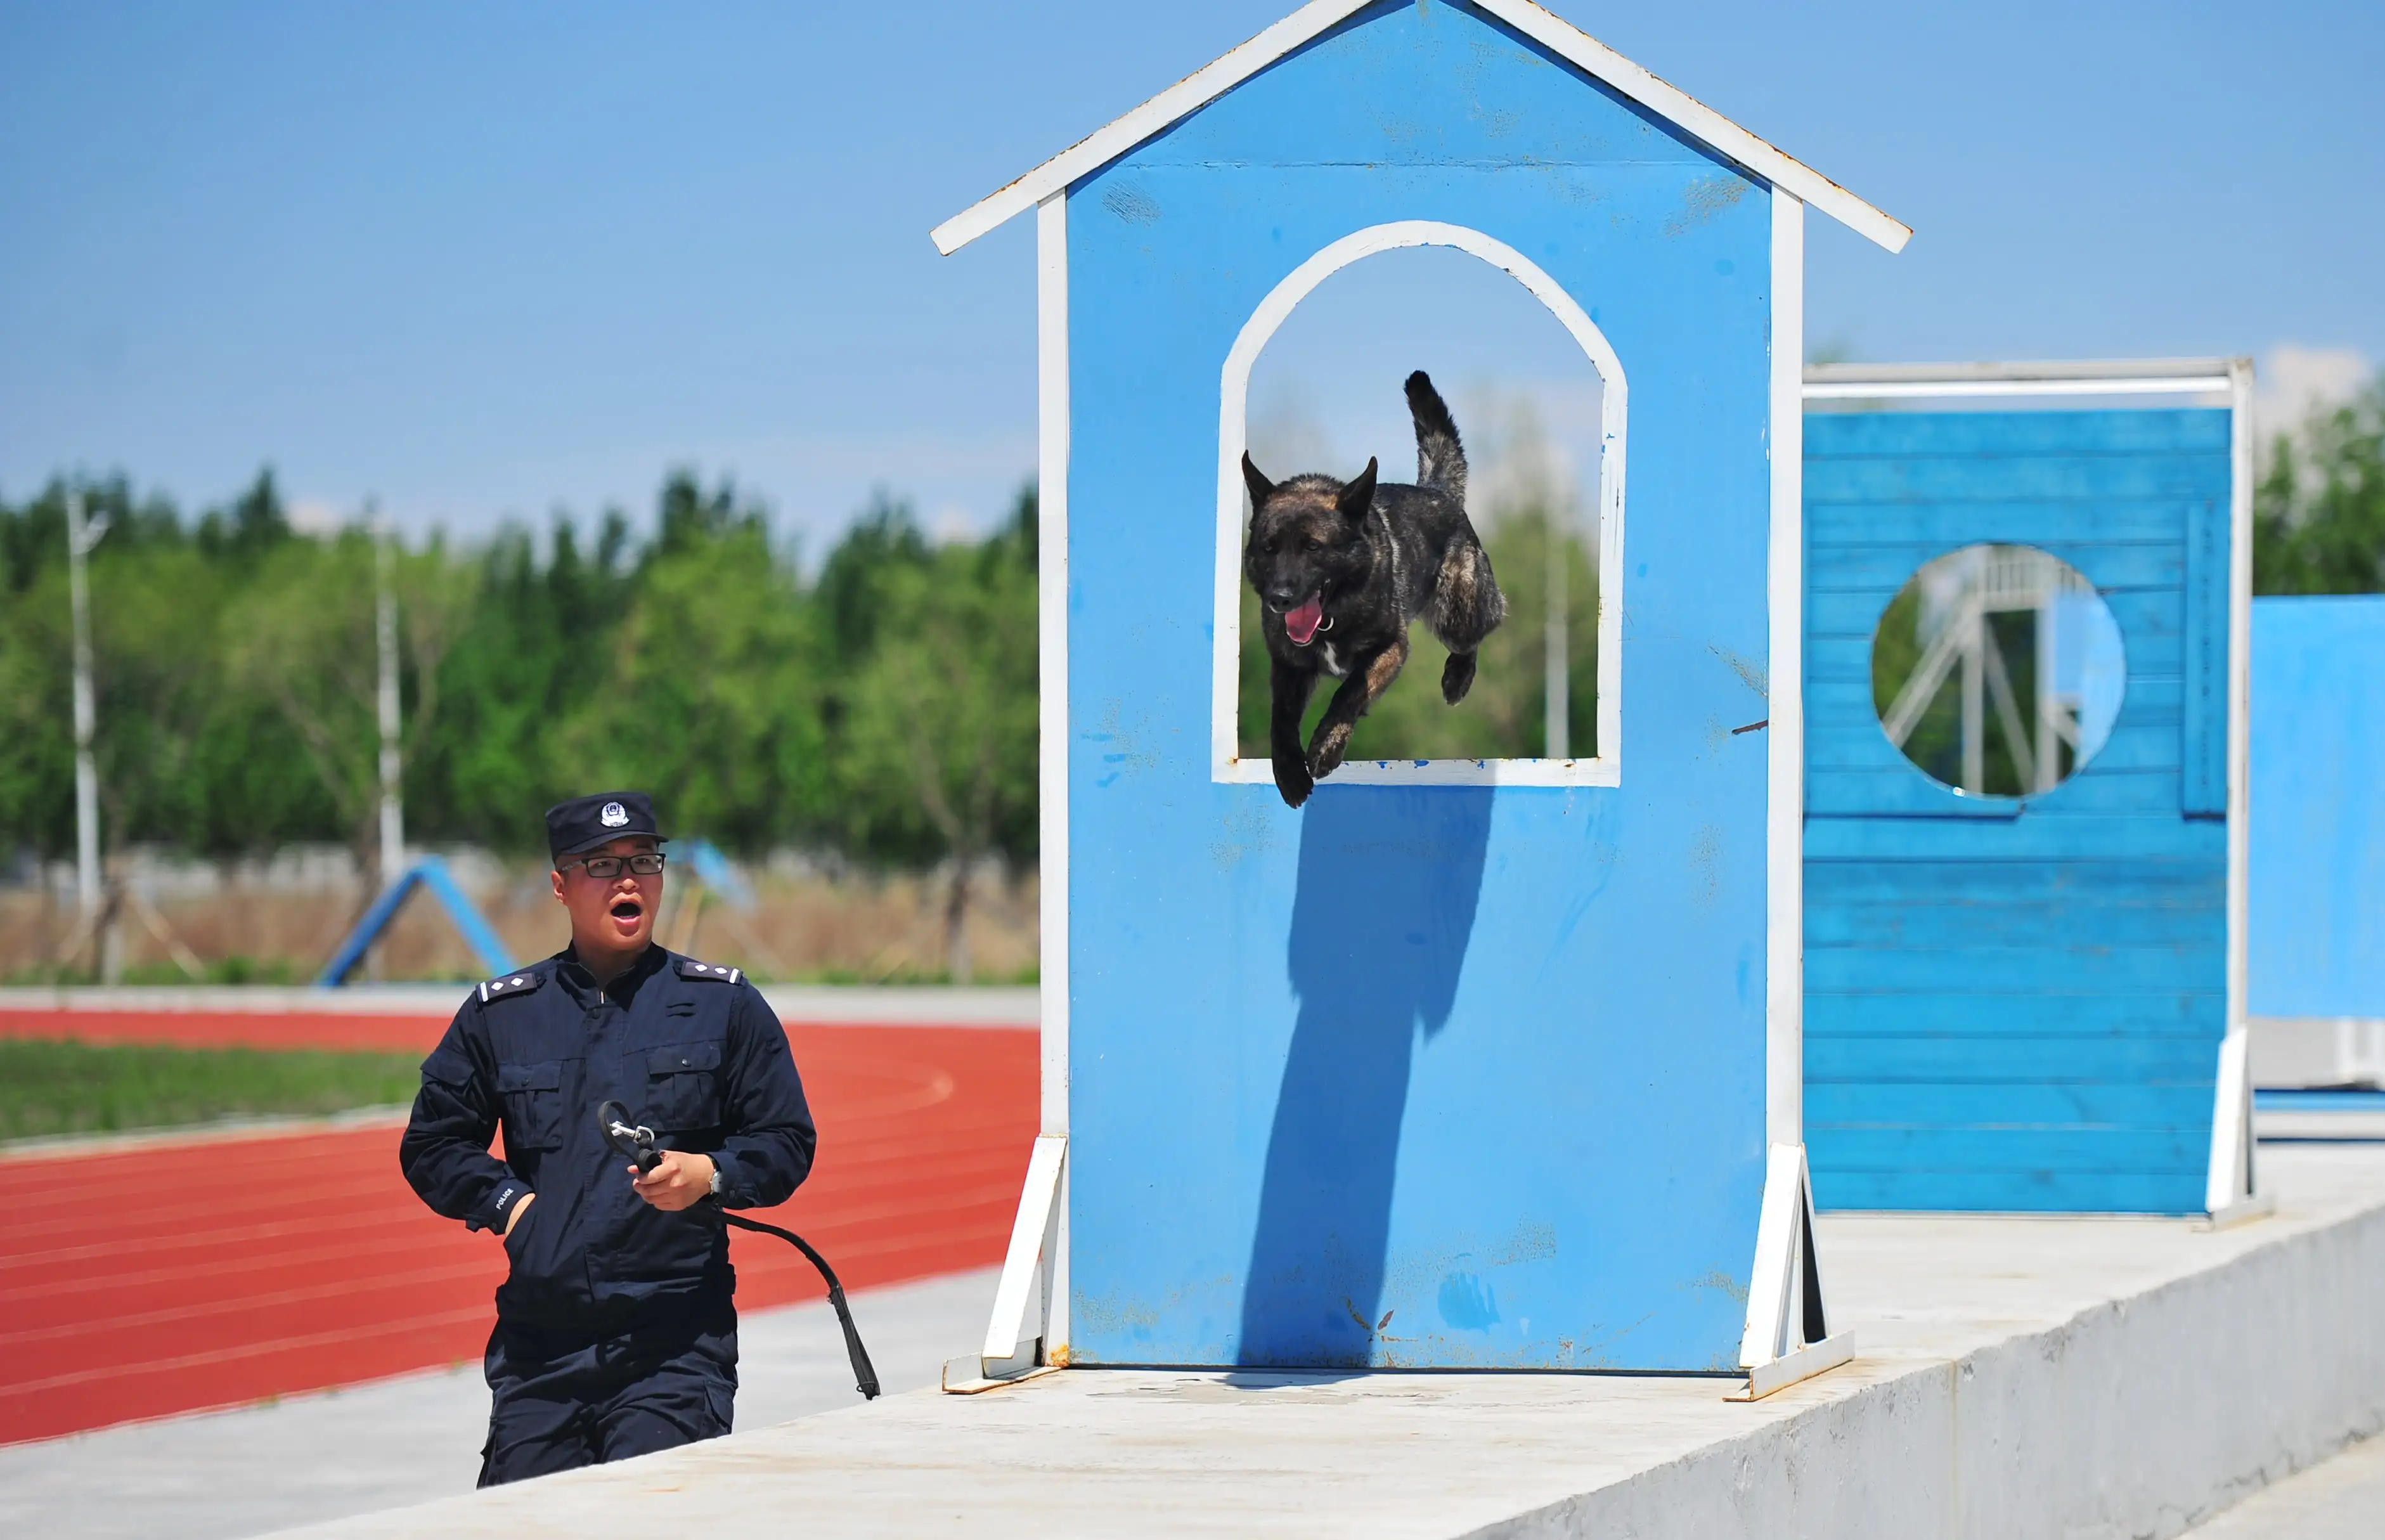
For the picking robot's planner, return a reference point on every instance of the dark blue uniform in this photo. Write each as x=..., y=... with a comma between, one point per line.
x=615, y=1335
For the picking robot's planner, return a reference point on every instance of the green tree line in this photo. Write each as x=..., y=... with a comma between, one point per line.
x=2318, y=509
x=884, y=710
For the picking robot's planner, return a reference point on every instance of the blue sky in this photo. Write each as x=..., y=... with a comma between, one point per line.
x=483, y=261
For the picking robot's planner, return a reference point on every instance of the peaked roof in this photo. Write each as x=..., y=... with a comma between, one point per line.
x=1221, y=75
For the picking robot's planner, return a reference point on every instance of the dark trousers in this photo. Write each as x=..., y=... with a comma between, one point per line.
x=557, y=1404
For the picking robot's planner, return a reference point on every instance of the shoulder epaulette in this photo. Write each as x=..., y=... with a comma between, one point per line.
x=512, y=984
x=718, y=972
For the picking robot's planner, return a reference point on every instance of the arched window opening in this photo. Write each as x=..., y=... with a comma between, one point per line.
x=1314, y=385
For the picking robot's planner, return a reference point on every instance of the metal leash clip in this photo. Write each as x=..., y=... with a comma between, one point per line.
x=637, y=1143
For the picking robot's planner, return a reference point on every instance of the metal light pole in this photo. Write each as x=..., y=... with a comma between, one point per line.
x=393, y=811
x=1556, y=679
x=81, y=535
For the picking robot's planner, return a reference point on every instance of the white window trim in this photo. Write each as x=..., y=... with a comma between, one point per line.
x=1226, y=763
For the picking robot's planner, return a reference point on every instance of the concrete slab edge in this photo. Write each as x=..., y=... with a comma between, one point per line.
x=2139, y=1416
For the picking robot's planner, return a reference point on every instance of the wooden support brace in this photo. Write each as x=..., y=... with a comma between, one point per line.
x=1796, y=1368
x=2230, y=1196
x=1788, y=1336
x=1013, y=1345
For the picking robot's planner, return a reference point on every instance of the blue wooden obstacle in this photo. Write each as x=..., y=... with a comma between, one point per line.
x=430, y=873
x=716, y=872
x=2021, y=1003
x=1483, y=1064
x=2319, y=834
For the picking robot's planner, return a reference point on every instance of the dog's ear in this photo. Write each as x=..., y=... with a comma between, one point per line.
x=1358, y=495
x=1261, y=488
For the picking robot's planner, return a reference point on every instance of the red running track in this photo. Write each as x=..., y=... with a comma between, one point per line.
x=169, y=1278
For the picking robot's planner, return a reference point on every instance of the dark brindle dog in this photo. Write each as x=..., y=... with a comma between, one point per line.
x=1342, y=568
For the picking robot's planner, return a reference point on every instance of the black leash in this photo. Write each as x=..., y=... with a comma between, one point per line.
x=638, y=1144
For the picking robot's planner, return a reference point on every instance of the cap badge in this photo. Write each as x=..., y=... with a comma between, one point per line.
x=613, y=816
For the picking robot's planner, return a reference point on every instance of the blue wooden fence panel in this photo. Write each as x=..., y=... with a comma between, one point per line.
x=2203, y=689
x=1438, y=1076
x=2316, y=942
x=2017, y=1004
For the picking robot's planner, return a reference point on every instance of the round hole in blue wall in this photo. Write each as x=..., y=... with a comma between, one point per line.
x=1998, y=671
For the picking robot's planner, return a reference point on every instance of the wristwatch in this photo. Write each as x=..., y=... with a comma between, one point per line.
x=716, y=1179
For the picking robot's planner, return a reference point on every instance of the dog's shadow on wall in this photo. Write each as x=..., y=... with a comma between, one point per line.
x=1390, y=879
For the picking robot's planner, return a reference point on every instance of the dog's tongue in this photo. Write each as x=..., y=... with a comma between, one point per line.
x=1302, y=622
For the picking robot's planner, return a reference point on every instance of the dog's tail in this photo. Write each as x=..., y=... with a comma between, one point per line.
x=1441, y=459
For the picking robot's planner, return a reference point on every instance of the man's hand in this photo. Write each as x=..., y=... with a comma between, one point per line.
x=682, y=1179
x=513, y=1214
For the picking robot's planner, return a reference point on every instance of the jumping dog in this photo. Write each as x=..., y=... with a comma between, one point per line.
x=1341, y=568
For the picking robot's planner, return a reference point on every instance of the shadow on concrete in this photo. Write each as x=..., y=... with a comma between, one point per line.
x=1389, y=880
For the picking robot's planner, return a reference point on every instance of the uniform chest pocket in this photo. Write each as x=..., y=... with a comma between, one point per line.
x=684, y=1086
x=533, y=1098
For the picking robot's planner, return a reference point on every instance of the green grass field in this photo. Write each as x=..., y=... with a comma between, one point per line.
x=47, y=1088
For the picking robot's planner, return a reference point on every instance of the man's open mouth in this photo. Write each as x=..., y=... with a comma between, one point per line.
x=1300, y=621
x=628, y=910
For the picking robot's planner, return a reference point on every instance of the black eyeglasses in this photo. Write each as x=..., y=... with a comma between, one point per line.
x=605, y=868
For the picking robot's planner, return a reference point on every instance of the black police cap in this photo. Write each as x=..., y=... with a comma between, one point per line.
x=585, y=822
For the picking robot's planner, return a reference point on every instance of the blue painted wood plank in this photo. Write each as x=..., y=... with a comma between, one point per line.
x=2185, y=884
x=2167, y=431
x=1885, y=569
x=2056, y=924
x=2048, y=522
x=2087, y=478
x=1952, y=1011
x=2065, y=1099
x=1927, y=1148
x=2017, y=971
x=1896, y=790
x=2019, y=1057
x=1967, y=1190
x=2028, y=838
x=2204, y=733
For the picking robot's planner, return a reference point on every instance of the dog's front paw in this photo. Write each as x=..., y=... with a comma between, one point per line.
x=1325, y=754
x=1293, y=780
x=1457, y=677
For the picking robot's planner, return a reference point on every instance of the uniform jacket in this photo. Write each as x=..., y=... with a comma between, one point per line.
x=695, y=1054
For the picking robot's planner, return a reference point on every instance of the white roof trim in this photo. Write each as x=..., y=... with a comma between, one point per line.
x=1205, y=85
x=2066, y=377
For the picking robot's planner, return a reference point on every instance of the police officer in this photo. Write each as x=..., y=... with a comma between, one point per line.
x=616, y=1332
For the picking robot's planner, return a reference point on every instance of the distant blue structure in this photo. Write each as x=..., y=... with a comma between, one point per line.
x=431, y=874
x=1466, y=1064
x=716, y=872
x=2319, y=840
x=2030, y=1003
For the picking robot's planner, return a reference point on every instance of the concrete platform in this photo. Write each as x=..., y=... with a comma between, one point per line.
x=2343, y=1498
x=2020, y=1377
